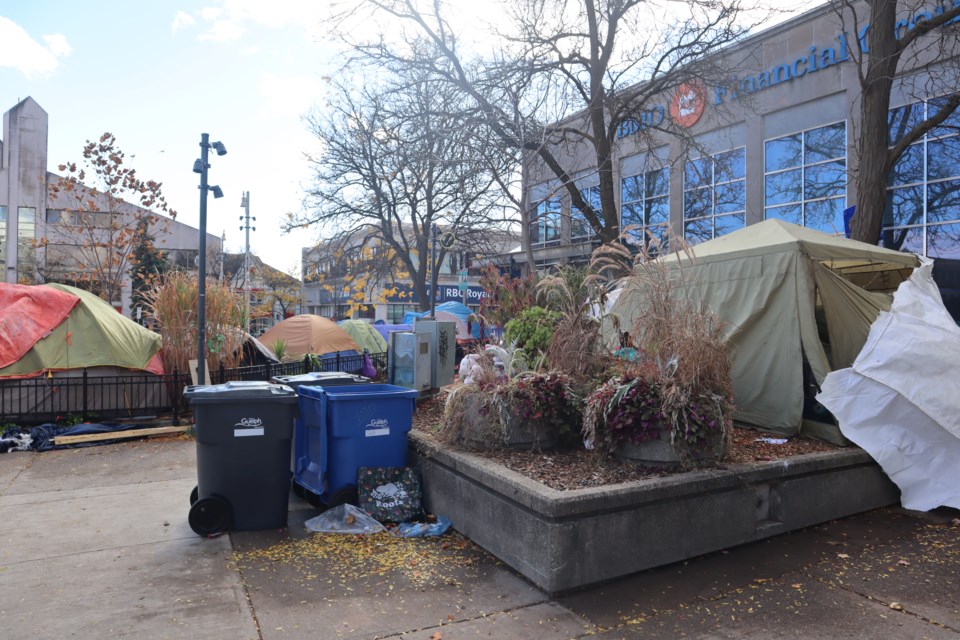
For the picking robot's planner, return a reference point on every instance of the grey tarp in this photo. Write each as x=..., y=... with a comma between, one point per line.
x=764, y=282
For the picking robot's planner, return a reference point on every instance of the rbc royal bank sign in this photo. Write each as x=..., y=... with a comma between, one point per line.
x=445, y=293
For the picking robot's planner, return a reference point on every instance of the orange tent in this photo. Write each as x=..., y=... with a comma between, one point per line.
x=307, y=333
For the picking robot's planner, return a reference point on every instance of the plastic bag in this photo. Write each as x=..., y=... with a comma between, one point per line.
x=390, y=494
x=344, y=518
x=423, y=529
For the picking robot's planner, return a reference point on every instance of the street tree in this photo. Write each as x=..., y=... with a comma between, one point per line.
x=607, y=63
x=278, y=292
x=147, y=266
x=913, y=47
x=399, y=157
x=101, y=214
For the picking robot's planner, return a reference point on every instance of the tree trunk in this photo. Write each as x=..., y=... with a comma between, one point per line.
x=873, y=143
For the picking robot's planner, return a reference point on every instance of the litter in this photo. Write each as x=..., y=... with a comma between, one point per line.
x=773, y=440
x=344, y=518
x=423, y=529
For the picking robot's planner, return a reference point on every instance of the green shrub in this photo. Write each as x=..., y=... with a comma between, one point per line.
x=532, y=330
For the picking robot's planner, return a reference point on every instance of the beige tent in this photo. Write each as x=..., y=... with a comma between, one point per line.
x=785, y=291
x=307, y=333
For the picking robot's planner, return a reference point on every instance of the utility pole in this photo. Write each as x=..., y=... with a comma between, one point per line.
x=245, y=203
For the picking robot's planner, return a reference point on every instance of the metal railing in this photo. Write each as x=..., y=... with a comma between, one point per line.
x=86, y=395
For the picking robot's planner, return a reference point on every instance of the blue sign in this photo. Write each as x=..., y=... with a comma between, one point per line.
x=445, y=293
x=847, y=217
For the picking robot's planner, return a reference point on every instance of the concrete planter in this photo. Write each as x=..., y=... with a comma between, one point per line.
x=658, y=453
x=562, y=540
x=484, y=424
x=525, y=434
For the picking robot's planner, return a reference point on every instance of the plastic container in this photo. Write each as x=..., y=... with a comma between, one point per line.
x=243, y=433
x=347, y=427
x=320, y=378
x=300, y=438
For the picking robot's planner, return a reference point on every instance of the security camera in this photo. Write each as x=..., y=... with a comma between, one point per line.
x=197, y=166
x=217, y=191
x=219, y=148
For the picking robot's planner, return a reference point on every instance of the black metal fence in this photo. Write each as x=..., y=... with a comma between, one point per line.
x=89, y=395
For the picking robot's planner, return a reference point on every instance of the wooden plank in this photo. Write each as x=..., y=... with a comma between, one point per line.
x=118, y=435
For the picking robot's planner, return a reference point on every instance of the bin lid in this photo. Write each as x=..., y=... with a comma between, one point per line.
x=359, y=391
x=318, y=378
x=239, y=390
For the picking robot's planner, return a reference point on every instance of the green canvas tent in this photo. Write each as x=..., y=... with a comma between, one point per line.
x=364, y=335
x=93, y=334
x=786, y=292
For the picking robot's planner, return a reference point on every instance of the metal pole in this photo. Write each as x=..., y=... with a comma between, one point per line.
x=246, y=257
x=433, y=261
x=202, y=267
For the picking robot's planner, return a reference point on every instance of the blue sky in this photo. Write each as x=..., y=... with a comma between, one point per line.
x=159, y=74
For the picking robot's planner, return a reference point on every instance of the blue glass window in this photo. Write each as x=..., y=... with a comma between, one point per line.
x=545, y=227
x=806, y=177
x=923, y=195
x=580, y=229
x=714, y=195
x=645, y=209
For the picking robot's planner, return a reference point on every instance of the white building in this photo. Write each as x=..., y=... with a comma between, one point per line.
x=30, y=213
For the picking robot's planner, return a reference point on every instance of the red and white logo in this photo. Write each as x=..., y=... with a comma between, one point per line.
x=689, y=101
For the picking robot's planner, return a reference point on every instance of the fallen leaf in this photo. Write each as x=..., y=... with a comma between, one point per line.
x=843, y=555
x=896, y=606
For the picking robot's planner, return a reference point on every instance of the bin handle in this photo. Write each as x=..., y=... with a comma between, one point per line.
x=324, y=449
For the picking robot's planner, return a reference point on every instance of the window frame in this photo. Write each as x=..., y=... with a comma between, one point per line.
x=805, y=202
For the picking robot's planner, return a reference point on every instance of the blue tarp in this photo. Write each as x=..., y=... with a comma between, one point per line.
x=386, y=329
x=452, y=307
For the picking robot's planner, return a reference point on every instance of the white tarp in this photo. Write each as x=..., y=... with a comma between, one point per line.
x=900, y=401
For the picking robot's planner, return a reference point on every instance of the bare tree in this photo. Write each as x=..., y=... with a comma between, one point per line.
x=897, y=41
x=609, y=62
x=398, y=159
x=93, y=233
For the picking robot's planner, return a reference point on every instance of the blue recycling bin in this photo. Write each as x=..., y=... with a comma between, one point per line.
x=314, y=379
x=343, y=428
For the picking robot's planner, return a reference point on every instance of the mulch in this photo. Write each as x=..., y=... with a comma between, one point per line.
x=580, y=469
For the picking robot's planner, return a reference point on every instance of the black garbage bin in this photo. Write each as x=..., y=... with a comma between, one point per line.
x=243, y=432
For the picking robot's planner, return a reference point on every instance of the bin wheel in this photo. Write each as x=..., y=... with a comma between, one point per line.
x=298, y=490
x=194, y=494
x=209, y=516
x=344, y=495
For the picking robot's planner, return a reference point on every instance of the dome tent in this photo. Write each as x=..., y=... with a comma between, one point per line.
x=365, y=335
x=307, y=333
x=68, y=328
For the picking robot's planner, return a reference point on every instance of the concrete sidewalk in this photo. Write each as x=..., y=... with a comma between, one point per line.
x=94, y=543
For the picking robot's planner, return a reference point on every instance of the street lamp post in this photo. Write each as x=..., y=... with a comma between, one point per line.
x=201, y=166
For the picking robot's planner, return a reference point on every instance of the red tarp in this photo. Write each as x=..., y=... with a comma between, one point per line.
x=27, y=314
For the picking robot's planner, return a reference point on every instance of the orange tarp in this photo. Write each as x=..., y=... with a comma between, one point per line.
x=27, y=314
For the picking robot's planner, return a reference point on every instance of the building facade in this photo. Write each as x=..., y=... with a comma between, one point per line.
x=773, y=140
x=34, y=243
x=341, y=284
